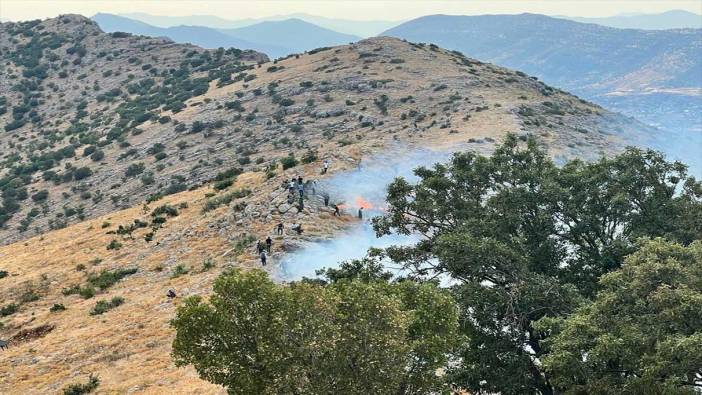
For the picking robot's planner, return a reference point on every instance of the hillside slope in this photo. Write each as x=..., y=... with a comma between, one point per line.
x=569, y=54
x=188, y=182
x=103, y=122
x=632, y=71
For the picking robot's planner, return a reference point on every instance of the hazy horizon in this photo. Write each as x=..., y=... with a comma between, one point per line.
x=15, y=10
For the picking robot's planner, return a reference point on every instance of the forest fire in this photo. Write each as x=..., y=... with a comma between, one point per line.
x=360, y=202
x=364, y=187
x=363, y=203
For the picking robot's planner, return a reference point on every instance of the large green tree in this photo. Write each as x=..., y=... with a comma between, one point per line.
x=353, y=334
x=524, y=239
x=643, y=332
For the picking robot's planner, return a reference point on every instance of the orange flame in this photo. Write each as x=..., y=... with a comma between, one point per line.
x=361, y=202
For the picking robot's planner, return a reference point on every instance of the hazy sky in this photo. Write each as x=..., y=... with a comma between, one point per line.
x=357, y=9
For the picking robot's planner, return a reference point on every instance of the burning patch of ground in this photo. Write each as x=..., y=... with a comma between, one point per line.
x=359, y=192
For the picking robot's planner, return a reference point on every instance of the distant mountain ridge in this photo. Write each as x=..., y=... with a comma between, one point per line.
x=604, y=64
x=294, y=35
x=274, y=38
x=674, y=19
x=364, y=28
x=197, y=35
x=572, y=55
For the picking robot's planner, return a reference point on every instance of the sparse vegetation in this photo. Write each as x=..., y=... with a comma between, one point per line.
x=107, y=278
x=289, y=161
x=179, y=270
x=114, y=245
x=8, y=309
x=224, y=199
x=93, y=380
x=103, y=306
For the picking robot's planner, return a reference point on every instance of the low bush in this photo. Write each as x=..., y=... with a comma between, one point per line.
x=179, y=270
x=103, y=306
x=166, y=209
x=93, y=381
x=226, y=198
x=289, y=161
x=8, y=309
x=114, y=245
x=309, y=156
x=108, y=278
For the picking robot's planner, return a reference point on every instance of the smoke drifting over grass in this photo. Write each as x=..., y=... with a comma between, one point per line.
x=364, y=186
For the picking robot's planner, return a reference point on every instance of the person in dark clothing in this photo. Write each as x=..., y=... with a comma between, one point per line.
x=298, y=228
x=171, y=294
x=300, y=203
x=279, y=228
x=269, y=243
x=299, y=180
x=259, y=246
x=263, y=258
x=360, y=213
x=301, y=190
x=336, y=211
x=326, y=200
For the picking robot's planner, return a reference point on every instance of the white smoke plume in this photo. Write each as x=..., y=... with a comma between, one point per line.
x=364, y=186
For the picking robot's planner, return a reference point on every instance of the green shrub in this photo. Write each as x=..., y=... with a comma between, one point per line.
x=29, y=296
x=86, y=292
x=97, y=156
x=108, y=278
x=40, y=196
x=114, y=245
x=224, y=184
x=208, y=264
x=243, y=242
x=289, y=161
x=103, y=306
x=8, y=309
x=179, y=270
x=134, y=169
x=93, y=381
x=309, y=156
x=226, y=198
x=57, y=307
x=82, y=173
x=166, y=209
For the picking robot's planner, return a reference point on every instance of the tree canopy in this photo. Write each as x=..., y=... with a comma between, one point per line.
x=346, y=336
x=642, y=333
x=525, y=239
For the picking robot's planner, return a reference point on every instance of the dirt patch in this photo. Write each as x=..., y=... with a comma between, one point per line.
x=26, y=335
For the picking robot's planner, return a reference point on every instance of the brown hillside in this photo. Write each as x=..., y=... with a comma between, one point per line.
x=344, y=103
x=83, y=106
